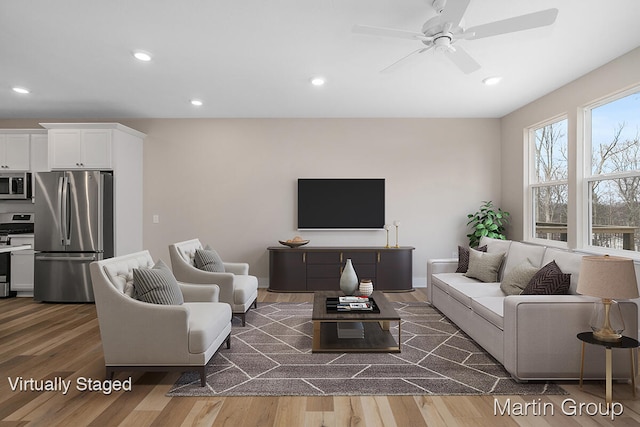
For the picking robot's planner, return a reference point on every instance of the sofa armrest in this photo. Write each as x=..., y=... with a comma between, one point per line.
x=239, y=268
x=199, y=293
x=441, y=265
x=540, y=333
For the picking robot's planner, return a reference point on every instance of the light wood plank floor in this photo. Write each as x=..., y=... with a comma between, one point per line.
x=44, y=341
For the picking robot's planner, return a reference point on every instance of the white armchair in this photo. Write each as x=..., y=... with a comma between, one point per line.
x=142, y=336
x=237, y=287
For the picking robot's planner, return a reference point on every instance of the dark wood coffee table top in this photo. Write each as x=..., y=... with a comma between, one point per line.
x=320, y=313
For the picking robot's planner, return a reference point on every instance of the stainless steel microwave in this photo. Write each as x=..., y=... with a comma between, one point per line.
x=15, y=185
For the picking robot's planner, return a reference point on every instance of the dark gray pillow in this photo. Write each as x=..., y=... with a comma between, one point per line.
x=549, y=280
x=208, y=260
x=156, y=285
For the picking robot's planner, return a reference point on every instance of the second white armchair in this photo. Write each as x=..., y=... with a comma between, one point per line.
x=237, y=287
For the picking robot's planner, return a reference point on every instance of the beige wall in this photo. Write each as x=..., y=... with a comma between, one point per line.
x=232, y=182
x=620, y=74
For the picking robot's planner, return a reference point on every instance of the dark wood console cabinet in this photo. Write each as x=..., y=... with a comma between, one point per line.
x=308, y=269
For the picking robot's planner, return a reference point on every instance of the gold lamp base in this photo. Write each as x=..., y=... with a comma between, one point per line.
x=606, y=321
x=608, y=335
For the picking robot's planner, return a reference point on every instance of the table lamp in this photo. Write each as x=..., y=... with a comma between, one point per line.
x=607, y=277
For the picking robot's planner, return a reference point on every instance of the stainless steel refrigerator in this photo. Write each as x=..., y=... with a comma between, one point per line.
x=73, y=227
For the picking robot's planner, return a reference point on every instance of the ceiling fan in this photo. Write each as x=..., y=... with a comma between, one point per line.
x=442, y=31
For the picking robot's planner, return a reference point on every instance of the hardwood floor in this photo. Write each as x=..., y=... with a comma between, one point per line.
x=47, y=341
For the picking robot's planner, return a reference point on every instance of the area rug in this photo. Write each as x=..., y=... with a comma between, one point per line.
x=271, y=356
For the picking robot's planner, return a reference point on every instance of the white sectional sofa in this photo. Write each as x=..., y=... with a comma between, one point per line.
x=533, y=336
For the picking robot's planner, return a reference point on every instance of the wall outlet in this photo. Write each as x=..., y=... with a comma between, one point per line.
x=156, y=219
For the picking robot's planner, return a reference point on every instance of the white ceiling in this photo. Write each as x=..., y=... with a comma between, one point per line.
x=254, y=58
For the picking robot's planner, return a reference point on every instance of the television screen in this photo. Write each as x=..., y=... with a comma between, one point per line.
x=344, y=203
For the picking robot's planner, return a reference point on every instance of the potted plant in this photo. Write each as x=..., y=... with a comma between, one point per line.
x=487, y=221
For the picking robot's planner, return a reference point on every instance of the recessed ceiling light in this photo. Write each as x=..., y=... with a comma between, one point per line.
x=490, y=81
x=21, y=90
x=196, y=102
x=318, y=81
x=142, y=56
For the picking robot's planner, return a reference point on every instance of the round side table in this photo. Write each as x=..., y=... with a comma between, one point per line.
x=625, y=342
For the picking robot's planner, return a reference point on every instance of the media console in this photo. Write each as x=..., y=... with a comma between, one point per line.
x=308, y=268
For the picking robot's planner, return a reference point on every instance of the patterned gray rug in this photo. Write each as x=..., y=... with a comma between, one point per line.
x=272, y=356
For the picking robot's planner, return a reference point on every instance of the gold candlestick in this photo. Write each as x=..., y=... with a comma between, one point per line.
x=387, y=227
x=397, y=224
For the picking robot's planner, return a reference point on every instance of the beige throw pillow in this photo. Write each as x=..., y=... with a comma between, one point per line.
x=484, y=266
x=514, y=282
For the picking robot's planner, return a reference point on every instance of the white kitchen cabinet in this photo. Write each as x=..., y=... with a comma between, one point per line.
x=80, y=149
x=15, y=152
x=22, y=267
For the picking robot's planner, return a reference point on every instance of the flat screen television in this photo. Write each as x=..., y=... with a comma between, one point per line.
x=340, y=203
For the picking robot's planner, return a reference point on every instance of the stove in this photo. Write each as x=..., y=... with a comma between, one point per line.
x=12, y=224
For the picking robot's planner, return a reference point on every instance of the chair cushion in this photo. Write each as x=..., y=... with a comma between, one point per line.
x=484, y=266
x=156, y=285
x=207, y=321
x=244, y=287
x=208, y=260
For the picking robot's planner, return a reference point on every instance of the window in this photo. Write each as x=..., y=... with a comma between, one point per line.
x=548, y=180
x=613, y=178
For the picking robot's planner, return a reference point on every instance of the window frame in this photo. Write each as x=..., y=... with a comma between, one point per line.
x=532, y=183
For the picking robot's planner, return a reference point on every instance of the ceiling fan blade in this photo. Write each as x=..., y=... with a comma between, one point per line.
x=462, y=59
x=402, y=60
x=454, y=11
x=518, y=23
x=388, y=32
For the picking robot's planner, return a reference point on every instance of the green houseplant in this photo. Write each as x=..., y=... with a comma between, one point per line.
x=488, y=221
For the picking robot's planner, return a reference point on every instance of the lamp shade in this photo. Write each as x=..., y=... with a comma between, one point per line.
x=607, y=277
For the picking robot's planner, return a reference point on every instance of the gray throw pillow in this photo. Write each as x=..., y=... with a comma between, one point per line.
x=484, y=266
x=208, y=260
x=463, y=258
x=514, y=282
x=157, y=285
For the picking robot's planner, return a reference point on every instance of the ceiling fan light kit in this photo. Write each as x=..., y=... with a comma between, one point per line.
x=445, y=29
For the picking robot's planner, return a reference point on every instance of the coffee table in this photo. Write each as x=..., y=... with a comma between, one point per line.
x=377, y=334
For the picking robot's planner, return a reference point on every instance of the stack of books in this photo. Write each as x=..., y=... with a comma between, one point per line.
x=350, y=330
x=354, y=304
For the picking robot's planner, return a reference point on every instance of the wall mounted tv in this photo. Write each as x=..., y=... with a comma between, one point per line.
x=340, y=203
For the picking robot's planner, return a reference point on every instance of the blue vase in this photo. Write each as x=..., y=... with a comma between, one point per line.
x=349, y=279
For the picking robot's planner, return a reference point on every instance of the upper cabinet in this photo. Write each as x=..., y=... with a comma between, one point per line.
x=15, y=152
x=80, y=148
x=85, y=145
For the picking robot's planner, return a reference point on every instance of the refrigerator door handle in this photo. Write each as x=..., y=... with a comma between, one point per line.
x=68, y=258
x=61, y=210
x=65, y=212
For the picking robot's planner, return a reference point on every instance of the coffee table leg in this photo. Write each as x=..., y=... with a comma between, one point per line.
x=316, y=336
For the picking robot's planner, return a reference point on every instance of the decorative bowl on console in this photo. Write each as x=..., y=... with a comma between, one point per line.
x=295, y=242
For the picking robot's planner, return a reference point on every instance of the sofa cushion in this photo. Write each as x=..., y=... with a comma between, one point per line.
x=484, y=266
x=156, y=285
x=518, y=278
x=522, y=252
x=206, y=323
x=208, y=260
x=550, y=280
x=444, y=281
x=463, y=258
x=466, y=292
x=568, y=262
x=491, y=309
